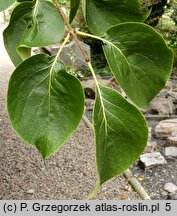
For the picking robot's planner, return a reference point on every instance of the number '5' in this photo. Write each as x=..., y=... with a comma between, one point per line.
x=168, y=207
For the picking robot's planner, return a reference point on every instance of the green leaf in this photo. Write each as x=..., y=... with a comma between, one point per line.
x=33, y=24
x=101, y=15
x=139, y=59
x=74, y=7
x=5, y=4
x=15, y=30
x=24, y=0
x=45, y=103
x=46, y=26
x=121, y=133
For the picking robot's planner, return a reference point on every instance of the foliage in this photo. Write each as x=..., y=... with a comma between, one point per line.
x=30, y=26
x=170, y=36
x=74, y=8
x=46, y=103
x=5, y=4
x=64, y=2
x=167, y=26
x=174, y=13
x=157, y=10
x=96, y=8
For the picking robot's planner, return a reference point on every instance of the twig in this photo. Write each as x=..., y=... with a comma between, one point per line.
x=136, y=185
x=127, y=174
x=87, y=122
x=133, y=181
x=72, y=31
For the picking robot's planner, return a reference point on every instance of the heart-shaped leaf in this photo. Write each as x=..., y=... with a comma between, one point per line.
x=74, y=4
x=139, y=59
x=101, y=15
x=120, y=131
x=45, y=103
x=5, y=4
x=31, y=25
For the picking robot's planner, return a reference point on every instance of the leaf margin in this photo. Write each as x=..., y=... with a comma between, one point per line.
x=100, y=182
x=25, y=139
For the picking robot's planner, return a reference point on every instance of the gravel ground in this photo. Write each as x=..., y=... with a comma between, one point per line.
x=154, y=179
x=70, y=174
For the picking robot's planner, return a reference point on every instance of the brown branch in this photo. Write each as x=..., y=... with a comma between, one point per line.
x=72, y=31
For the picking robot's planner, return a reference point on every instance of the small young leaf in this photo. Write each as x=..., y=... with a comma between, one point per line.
x=45, y=103
x=139, y=59
x=5, y=4
x=32, y=24
x=101, y=15
x=74, y=7
x=120, y=131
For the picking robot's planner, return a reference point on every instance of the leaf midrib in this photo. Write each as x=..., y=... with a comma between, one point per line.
x=130, y=69
x=50, y=85
x=113, y=45
x=36, y=9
